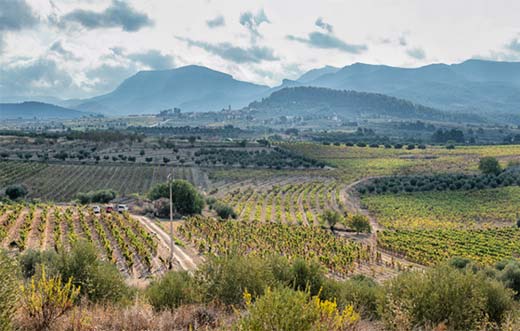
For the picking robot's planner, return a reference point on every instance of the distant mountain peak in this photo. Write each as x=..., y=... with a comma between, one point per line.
x=191, y=88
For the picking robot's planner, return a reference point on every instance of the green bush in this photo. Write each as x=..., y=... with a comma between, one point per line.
x=171, y=290
x=9, y=290
x=186, y=199
x=224, y=211
x=332, y=217
x=31, y=259
x=306, y=276
x=101, y=196
x=360, y=223
x=225, y=278
x=15, y=192
x=489, y=165
x=462, y=299
x=510, y=276
x=361, y=292
x=99, y=281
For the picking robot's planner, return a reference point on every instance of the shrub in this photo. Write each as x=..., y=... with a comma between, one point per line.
x=489, y=165
x=99, y=281
x=9, y=289
x=224, y=211
x=459, y=262
x=361, y=292
x=46, y=299
x=285, y=309
x=186, y=199
x=101, y=196
x=225, y=278
x=171, y=290
x=83, y=198
x=332, y=217
x=306, y=276
x=510, y=276
x=15, y=192
x=462, y=299
x=360, y=223
x=31, y=259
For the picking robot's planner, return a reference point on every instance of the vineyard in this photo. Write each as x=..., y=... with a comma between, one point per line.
x=296, y=200
x=14, y=172
x=340, y=256
x=120, y=238
x=61, y=182
x=451, y=209
x=427, y=247
x=353, y=162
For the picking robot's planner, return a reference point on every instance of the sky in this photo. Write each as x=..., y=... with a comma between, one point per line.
x=77, y=49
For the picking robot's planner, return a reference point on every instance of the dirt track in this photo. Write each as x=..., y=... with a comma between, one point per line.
x=186, y=262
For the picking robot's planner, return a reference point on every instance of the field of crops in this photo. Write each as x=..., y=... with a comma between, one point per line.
x=352, y=162
x=427, y=247
x=289, y=200
x=14, y=172
x=338, y=255
x=446, y=209
x=61, y=182
x=120, y=238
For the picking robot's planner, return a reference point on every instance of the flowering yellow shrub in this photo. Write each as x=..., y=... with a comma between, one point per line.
x=287, y=310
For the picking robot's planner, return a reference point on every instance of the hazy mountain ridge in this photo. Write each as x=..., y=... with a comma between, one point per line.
x=191, y=88
x=301, y=101
x=474, y=86
x=32, y=109
x=471, y=86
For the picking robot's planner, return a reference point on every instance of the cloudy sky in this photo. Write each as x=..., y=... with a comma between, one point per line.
x=76, y=49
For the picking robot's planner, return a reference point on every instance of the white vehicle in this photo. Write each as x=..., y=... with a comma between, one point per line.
x=96, y=209
x=122, y=208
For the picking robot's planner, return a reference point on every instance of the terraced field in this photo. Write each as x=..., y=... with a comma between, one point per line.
x=120, y=238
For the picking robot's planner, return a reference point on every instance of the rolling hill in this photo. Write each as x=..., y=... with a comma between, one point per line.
x=40, y=110
x=305, y=101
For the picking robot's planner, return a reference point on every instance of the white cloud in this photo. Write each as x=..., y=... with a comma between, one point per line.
x=44, y=52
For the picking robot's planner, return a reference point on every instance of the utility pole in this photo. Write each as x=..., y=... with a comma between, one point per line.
x=170, y=180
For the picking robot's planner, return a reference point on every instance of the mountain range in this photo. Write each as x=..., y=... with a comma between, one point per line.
x=39, y=110
x=474, y=86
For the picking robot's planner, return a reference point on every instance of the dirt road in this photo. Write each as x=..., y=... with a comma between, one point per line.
x=186, y=262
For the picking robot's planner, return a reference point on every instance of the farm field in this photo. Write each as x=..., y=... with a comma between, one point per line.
x=61, y=182
x=13, y=172
x=120, y=238
x=428, y=247
x=290, y=200
x=352, y=162
x=446, y=209
x=429, y=227
x=341, y=257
